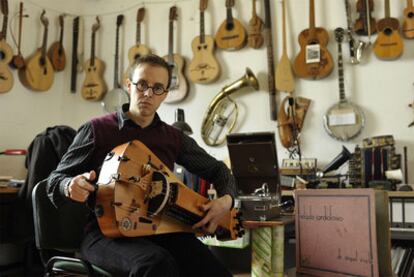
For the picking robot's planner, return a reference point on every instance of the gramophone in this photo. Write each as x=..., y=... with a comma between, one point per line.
x=334, y=181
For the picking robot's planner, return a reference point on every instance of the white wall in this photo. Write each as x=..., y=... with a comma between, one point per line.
x=382, y=89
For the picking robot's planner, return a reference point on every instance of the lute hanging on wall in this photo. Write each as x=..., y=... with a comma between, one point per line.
x=18, y=60
x=56, y=51
x=254, y=32
x=344, y=120
x=38, y=74
x=231, y=34
x=137, y=195
x=94, y=86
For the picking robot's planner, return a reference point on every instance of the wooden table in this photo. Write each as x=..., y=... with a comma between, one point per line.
x=268, y=242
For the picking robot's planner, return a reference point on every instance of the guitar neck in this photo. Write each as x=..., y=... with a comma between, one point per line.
x=44, y=44
x=4, y=29
x=409, y=3
x=74, y=54
x=341, y=74
x=20, y=28
x=116, y=82
x=202, y=38
x=171, y=42
x=138, y=34
x=229, y=17
x=270, y=61
x=387, y=8
x=311, y=14
x=61, y=35
x=92, y=63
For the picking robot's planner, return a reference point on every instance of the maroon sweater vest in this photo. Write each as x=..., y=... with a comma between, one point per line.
x=162, y=139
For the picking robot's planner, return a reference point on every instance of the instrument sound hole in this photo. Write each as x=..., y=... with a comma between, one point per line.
x=2, y=55
x=387, y=31
x=410, y=14
x=229, y=26
x=155, y=202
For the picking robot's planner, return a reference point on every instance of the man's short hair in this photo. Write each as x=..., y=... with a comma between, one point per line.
x=154, y=60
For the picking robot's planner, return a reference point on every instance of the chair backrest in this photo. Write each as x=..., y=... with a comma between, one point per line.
x=57, y=228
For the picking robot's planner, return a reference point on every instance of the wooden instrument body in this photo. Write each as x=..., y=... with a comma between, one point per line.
x=389, y=44
x=204, y=67
x=57, y=56
x=6, y=77
x=38, y=75
x=408, y=23
x=314, y=70
x=231, y=35
x=361, y=24
x=140, y=200
x=178, y=87
x=344, y=132
x=137, y=51
x=94, y=87
x=254, y=33
x=291, y=119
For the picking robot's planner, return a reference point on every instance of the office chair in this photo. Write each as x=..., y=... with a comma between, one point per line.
x=60, y=230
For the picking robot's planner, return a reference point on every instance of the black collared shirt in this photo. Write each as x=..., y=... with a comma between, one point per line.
x=77, y=160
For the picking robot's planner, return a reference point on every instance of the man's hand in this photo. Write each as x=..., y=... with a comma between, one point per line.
x=215, y=211
x=80, y=186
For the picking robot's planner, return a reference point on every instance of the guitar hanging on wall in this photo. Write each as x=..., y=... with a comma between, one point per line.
x=178, y=84
x=389, y=44
x=6, y=53
x=56, y=51
x=204, y=67
x=344, y=120
x=116, y=97
x=94, y=87
x=139, y=49
x=231, y=34
x=314, y=60
x=408, y=23
x=38, y=75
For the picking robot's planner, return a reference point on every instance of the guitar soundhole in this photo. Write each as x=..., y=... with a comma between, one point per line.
x=137, y=56
x=229, y=26
x=2, y=55
x=205, y=47
x=410, y=14
x=387, y=31
x=199, y=48
x=42, y=61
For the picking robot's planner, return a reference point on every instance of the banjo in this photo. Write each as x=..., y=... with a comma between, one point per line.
x=344, y=120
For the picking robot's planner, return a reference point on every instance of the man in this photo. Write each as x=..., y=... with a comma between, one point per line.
x=175, y=254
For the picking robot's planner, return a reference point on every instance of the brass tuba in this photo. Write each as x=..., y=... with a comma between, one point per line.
x=222, y=108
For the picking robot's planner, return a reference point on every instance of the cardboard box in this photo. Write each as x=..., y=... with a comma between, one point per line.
x=343, y=232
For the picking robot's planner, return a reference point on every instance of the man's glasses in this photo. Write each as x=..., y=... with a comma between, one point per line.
x=157, y=89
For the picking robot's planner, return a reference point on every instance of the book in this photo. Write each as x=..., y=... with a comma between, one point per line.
x=343, y=232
